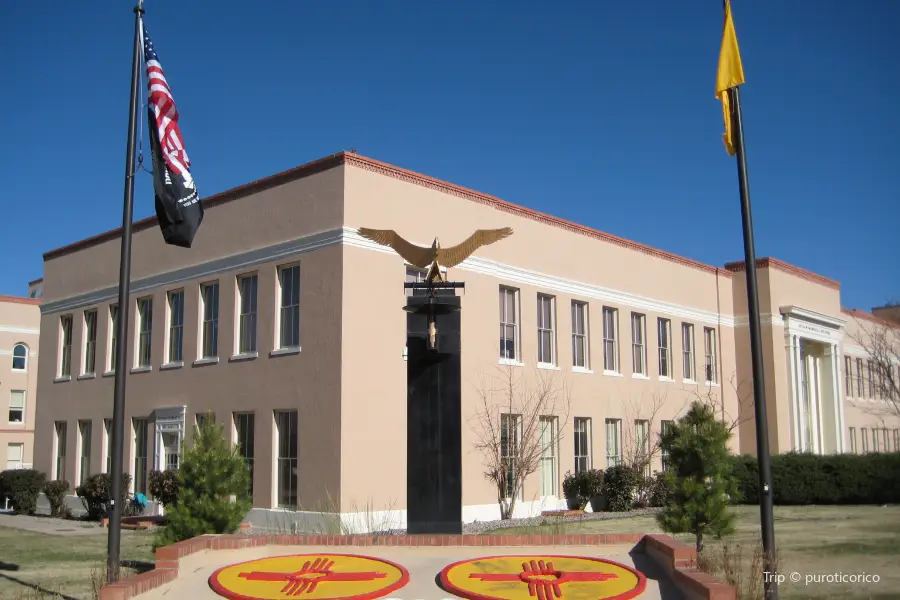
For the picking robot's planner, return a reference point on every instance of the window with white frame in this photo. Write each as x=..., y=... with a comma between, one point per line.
x=848, y=373
x=864, y=438
x=610, y=336
x=20, y=357
x=509, y=450
x=710, y=365
x=107, y=443
x=90, y=342
x=176, y=327
x=613, y=442
x=874, y=439
x=664, y=428
x=886, y=440
x=16, y=407
x=687, y=345
x=580, y=335
x=84, y=451
x=638, y=344
x=859, y=378
x=870, y=369
x=546, y=329
x=141, y=427
x=113, y=335
x=642, y=443
x=60, y=430
x=145, y=330
x=664, y=339
x=289, y=310
x=852, y=436
x=509, y=323
x=15, y=456
x=286, y=474
x=247, y=288
x=549, y=459
x=244, y=424
x=209, y=298
x=65, y=346
x=897, y=440
x=582, y=435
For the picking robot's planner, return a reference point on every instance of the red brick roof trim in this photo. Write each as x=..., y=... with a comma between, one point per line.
x=34, y=281
x=381, y=168
x=764, y=263
x=19, y=300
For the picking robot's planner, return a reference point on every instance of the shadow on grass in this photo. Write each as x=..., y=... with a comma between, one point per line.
x=138, y=566
x=8, y=566
x=654, y=572
x=37, y=588
x=876, y=548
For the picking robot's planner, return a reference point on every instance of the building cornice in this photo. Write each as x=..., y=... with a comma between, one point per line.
x=810, y=315
x=774, y=263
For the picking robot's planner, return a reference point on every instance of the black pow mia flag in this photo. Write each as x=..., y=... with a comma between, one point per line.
x=178, y=206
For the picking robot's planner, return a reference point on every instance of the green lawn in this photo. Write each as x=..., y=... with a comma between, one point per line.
x=813, y=540
x=37, y=566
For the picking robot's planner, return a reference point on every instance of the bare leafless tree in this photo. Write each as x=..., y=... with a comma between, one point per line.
x=639, y=449
x=743, y=410
x=508, y=423
x=880, y=340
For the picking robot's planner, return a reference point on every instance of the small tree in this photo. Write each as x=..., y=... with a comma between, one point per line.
x=700, y=476
x=213, y=485
x=508, y=426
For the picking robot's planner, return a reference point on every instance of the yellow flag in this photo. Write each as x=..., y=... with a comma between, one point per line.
x=731, y=74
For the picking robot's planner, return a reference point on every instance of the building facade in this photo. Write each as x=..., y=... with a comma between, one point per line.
x=288, y=326
x=20, y=320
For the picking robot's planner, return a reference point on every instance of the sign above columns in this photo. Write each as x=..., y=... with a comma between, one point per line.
x=812, y=325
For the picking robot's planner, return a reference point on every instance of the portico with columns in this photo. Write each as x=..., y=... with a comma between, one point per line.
x=813, y=346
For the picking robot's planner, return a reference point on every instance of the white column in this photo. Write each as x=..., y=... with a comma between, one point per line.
x=838, y=398
x=792, y=386
x=801, y=409
x=815, y=397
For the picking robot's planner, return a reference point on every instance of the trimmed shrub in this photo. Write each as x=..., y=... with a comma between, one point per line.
x=164, y=486
x=745, y=471
x=96, y=494
x=56, y=495
x=660, y=488
x=22, y=487
x=575, y=490
x=620, y=483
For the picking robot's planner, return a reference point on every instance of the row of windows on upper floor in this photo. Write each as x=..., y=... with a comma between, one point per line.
x=873, y=379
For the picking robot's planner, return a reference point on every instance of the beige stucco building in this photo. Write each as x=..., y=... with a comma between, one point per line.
x=288, y=325
x=20, y=320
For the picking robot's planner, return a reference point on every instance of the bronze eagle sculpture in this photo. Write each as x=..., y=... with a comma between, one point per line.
x=435, y=257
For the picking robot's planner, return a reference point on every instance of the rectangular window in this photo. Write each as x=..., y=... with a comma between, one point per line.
x=580, y=334
x=247, y=288
x=638, y=344
x=286, y=427
x=84, y=452
x=549, y=477
x=897, y=440
x=145, y=329
x=60, y=430
x=244, y=429
x=664, y=337
x=209, y=297
x=687, y=344
x=864, y=438
x=875, y=440
x=709, y=352
x=289, y=317
x=509, y=324
x=176, y=327
x=171, y=449
x=610, y=345
x=90, y=342
x=16, y=407
x=886, y=440
x=665, y=427
x=200, y=418
x=15, y=456
x=509, y=450
x=848, y=373
x=141, y=432
x=582, y=436
x=613, y=442
x=859, y=378
x=852, y=436
x=546, y=306
x=870, y=368
x=113, y=335
x=107, y=451
x=642, y=444
x=65, y=346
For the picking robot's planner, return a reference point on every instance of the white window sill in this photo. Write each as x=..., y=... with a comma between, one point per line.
x=712, y=384
x=109, y=374
x=511, y=362
x=689, y=381
x=285, y=351
x=244, y=356
x=547, y=367
x=19, y=370
x=666, y=379
x=146, y=369
x=62, y=379
x=17, y=423
x=86, y=376
x=582, y=370
x=171, y=365
x=209, y=360
x=611, y=373
x=640, y=376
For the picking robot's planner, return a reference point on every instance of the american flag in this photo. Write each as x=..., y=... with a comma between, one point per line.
x=166, y=115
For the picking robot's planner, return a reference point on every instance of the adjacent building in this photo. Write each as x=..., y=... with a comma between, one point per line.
x=288, y=326
x=20, y=320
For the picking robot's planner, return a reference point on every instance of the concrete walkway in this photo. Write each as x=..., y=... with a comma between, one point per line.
x=423, y=564
x=51, y=526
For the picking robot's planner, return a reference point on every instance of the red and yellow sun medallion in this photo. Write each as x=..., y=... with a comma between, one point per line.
x=311, y=576
x=542, y=577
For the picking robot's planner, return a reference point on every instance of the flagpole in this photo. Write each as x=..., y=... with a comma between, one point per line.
x=766, y=511
x=121, y=368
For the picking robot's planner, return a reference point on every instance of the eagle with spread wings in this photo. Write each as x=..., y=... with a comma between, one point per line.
x=435, y=257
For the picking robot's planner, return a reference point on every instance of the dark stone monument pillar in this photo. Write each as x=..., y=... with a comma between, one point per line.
x=434, y=419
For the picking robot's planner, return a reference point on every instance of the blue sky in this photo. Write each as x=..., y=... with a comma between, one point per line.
x=598, y=112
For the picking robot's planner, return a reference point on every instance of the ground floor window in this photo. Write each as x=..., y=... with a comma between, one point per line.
x=243, y=427
x=84, y=432
x=853, y=440
x=549, y=465
x=61, y=432
x=139, y=451
x=613, y=442
x=286, y=464
x=15, y=456
x=582, y=444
